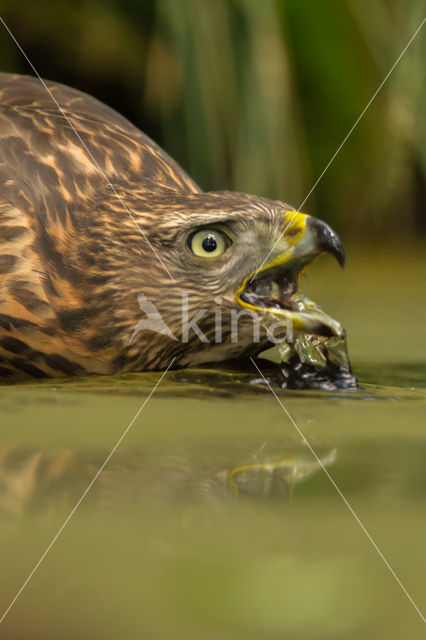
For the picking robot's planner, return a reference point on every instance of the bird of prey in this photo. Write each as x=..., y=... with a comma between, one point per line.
x=99, y=227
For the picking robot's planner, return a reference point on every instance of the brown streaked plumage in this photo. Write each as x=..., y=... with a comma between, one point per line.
x=73, y=259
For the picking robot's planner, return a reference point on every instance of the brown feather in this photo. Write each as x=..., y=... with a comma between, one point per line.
x=73, y=258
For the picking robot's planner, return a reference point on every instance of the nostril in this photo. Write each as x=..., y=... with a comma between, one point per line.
x=293, y=233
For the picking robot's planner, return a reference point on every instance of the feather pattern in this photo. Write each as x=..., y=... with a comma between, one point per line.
x=72, y=259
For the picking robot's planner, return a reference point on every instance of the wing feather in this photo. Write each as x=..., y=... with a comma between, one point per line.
x=38, y=143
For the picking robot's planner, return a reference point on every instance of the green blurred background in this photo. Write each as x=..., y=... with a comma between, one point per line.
x=255, y=95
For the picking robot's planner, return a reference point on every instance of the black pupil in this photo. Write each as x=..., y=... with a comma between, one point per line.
x=209, y=243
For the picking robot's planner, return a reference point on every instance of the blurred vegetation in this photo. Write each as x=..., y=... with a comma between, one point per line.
x=255, y=95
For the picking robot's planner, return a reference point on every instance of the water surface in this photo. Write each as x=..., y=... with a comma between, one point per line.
x=213, y=519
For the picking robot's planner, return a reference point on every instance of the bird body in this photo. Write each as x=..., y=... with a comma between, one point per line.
x=94, y=215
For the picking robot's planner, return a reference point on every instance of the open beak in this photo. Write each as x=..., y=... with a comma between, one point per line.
x=274, y=289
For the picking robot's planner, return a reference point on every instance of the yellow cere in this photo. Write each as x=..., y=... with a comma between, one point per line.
x=295, y=226
x=294, y=230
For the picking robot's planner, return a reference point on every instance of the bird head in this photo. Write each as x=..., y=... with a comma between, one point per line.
x=207, y=256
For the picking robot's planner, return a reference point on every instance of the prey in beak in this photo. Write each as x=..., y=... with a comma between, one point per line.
x=275, y=287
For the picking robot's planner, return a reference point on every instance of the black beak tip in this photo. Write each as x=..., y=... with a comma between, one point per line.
x=339, y=254
x=328, y=240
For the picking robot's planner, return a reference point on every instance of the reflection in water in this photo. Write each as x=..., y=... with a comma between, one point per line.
x=188, y=531
x=32, y=478
x=38, y=480
x=269, y=476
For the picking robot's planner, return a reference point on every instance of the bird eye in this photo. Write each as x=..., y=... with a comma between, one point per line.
x=208, y=243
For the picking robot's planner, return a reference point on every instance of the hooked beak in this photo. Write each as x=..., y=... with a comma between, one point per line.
x=324, y=240
x=274, y=289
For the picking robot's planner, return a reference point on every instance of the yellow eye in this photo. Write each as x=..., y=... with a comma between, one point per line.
x=208, y=243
